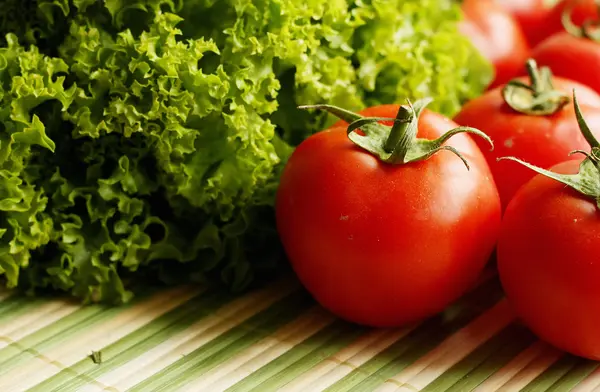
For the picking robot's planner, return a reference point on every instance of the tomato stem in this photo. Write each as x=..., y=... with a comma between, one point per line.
x=397, y=144
x=589, y=28
x=585, y=129
x=587, y=180
x=401, y=132
x=540, y=98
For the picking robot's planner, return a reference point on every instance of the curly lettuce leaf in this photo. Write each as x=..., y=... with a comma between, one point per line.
x=28, y=79
x=421, y=49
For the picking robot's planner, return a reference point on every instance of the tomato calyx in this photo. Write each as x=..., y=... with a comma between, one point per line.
x=539, y=98
x=587, y=180
x=397, y=144
x=590, y=28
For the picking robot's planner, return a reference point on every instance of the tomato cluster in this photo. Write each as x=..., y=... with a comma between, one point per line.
x=391, y=214
x=507, y=32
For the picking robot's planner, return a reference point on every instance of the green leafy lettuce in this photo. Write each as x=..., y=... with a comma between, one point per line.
x=145, y=138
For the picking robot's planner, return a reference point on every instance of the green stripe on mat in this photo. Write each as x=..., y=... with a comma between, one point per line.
x=417, y=343
x=136, y=343
x=9, y=304
x=228, y=344
x=14, y=307
x=478, y=366
x=16, y=353
x=554, y=374
x=299, y=359
x=13, y=300
x=66, y=328
x=574, y=376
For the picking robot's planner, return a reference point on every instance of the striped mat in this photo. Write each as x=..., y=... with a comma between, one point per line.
x=274, y=339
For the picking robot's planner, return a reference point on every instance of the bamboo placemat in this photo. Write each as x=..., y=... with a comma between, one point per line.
x=274, y=339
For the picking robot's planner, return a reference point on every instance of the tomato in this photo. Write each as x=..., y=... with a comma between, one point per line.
x=497, y=35
x=582, y=10
x=548, y=262
x=541, y=139
x=539, y=21
x=385, y=244
x=571, y=57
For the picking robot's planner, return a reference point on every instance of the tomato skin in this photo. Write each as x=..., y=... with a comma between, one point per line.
x=384, y=245
x=570, y=57
x=533, y=17
x=548, y=262
x=541, y=140
x=497, y=35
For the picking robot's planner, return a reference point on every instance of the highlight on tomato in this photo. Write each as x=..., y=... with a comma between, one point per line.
x=574, y=53
x=497, y=36
x=531, y=118
x=548, y=251
x=535, y=17
x=389, y=216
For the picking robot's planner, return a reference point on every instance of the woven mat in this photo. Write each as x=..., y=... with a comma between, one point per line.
x=275, y=339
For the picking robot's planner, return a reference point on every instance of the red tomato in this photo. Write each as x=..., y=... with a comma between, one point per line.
x=543, y=140
x=497, y=35
x=548, y=262
x=571, y=57
x=381, y=244
x=582, y=10
x=539, y=21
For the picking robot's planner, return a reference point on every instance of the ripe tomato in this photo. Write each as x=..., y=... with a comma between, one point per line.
x=571, y=57
x=548, y=262
x=497, y=35
x=582, y=10
x=539, y=21
x=573, y=54
x=384, y=244
x=539, y=138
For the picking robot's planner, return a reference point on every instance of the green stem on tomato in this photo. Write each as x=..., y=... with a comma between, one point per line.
x=587, y=180
x=539, y=98
x=402, y=133
x=589, y=29
x=585, y=129
x=399, y=143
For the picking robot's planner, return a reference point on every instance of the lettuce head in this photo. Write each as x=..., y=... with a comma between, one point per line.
x=143, y=139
